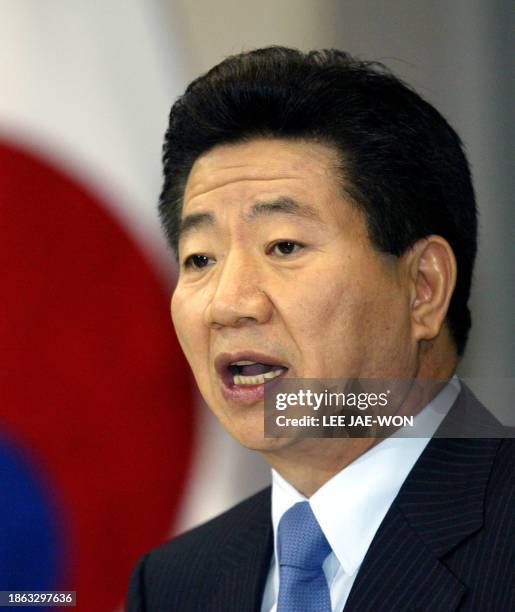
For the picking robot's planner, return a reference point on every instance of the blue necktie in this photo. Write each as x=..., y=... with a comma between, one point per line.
x=301, y=550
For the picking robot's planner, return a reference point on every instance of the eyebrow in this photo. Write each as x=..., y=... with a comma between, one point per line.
x=283, y=205
x=193, y=222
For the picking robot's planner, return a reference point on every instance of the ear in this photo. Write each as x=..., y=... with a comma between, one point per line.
x=432, y=266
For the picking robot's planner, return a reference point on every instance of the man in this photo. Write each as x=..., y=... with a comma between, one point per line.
x=325, y=226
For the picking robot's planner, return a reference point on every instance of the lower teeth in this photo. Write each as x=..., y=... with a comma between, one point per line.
x=259, y=379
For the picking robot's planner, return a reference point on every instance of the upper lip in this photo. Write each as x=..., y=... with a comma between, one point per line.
x=224, y=360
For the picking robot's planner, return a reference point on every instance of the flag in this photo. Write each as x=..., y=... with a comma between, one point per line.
x=97, y=412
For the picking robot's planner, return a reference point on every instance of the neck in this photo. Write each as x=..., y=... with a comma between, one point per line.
x=309, y=463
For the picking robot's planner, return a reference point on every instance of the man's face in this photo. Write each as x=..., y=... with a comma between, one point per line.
x=279, y=278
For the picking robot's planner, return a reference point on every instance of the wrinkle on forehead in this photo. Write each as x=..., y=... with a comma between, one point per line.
x=201, y=190
x=267, y=161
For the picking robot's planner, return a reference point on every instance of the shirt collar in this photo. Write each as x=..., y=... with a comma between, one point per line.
x=352, y=504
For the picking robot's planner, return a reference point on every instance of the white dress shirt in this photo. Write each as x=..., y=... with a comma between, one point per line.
x=352, y=504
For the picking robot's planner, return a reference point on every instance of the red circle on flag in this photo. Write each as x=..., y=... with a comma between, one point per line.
x=92, y=379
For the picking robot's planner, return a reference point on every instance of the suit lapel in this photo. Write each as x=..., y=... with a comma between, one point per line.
x=439, y=505
x=244, y=561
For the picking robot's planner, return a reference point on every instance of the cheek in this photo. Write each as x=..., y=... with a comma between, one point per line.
x=184, y=319
x=333, y=307
x=317, y=314
x=176, y=306
x=330, y=300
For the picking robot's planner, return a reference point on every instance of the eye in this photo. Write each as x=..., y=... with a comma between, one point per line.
x=285, y=247
x=197, y=261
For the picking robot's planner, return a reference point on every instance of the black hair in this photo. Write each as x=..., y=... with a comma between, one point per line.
x=403, y=164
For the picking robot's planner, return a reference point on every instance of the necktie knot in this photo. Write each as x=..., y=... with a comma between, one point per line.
x=301, y=541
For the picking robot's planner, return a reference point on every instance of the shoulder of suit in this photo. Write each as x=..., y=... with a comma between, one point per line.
x=211, y=536
x=469, y=418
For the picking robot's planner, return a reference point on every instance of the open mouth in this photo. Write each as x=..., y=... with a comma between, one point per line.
x=245, y=372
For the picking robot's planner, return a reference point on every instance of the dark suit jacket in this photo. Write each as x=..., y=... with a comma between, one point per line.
x=447, y=543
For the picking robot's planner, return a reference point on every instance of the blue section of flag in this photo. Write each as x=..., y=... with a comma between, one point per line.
x=29, y=543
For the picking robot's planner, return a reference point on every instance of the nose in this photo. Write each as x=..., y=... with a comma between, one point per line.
x=238, y=299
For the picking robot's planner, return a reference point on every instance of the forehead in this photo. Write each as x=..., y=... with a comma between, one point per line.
x=259, y=167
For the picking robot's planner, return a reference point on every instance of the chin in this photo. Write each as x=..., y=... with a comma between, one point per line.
x=246, y=425
x=247, y=428
x=262, y=444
